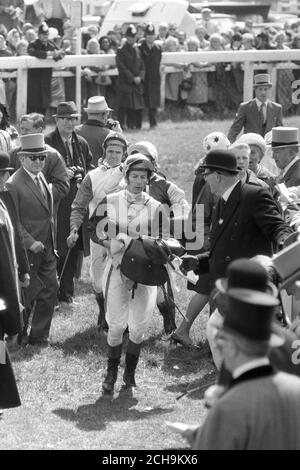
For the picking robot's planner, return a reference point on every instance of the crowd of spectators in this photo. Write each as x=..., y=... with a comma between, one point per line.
x=220, y=85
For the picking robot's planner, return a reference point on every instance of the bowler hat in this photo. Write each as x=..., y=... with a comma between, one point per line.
x=66, y=109
x=222, y=160
x=284, y=137
x=262, y=79
x=4, y=162
x=150, y=30
x=131, y=31
x=251, y=316
x=97, y=104
x=247, y=274
x=32, y=143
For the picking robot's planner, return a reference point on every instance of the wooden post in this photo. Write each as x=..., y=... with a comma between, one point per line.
x=248, y=80
x=273, y=73
x=76, y=20
x=22, y=80
x=162, y=87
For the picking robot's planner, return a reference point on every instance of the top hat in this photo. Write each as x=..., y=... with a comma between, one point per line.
x=247, y=274
x=251, y=138
x=66, y=109
x=96, y=105
x=221, y=160
x=286, y=263
x=262, y=79
x=32, y=144
x=43, y=28
x=251, y=315
x=4, y=162
x=284, y=137
x=150, y=30
x=131, y=31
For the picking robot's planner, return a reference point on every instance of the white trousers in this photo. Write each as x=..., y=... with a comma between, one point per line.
x=97, y=266
x=123, y=310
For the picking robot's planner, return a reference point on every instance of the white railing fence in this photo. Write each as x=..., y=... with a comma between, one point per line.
x=272, y=60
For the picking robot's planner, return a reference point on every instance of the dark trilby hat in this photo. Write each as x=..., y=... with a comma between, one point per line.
x=251, y=302
x=131, y=31
x=66, y=109
x=150, y=30
x=222, y=160
x=4, y=162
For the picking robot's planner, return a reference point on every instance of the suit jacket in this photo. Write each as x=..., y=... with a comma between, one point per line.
x=94, y=132
x=54, y=171
x=251, y=224
x=260, y=411
x=81, y=157
x=36, y=214
x=292, y=177
x=248, y=117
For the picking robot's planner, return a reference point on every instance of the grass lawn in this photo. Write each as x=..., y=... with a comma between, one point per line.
x=60, y=386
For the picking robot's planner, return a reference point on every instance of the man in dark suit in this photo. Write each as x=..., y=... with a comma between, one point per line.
x=10, y=315
x=258, y=115
x=130, y=81
x=151, y=54
x=78, y=158
x=95, y=129
x=260, y=409
x=285, y=146
x=54, y=169
x=34, y=203
x=245, y=222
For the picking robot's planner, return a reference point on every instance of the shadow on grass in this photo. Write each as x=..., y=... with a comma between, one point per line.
x=195, y=389
x=97, y=416
x=82, y=342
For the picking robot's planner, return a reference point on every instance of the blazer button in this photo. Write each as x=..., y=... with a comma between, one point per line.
x=235, y=224
x=227, y=258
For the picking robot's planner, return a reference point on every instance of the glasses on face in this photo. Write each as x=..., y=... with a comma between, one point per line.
x=205, y=175
x=34, y=158
x=72, y=119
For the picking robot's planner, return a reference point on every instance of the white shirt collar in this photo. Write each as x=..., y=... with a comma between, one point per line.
x=259, y=103
x=263, y=361
x=32, y=175
x=229, y=191
x=286, y=169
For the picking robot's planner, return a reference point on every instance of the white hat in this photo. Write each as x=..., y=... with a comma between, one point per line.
x=285, y=137
x=96, y=105
x=144, y=147
x=215, y=140
x=251, y=138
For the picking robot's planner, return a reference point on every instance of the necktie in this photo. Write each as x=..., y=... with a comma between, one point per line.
x=262, y=113
x=69, y=155
x=41, y=188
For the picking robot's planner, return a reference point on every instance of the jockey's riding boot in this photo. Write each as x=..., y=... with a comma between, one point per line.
x=101, y=323
x=114, y=356
x=131, y=360
x=168, y=313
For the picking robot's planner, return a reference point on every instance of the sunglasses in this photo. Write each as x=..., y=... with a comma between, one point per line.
x=34, y=158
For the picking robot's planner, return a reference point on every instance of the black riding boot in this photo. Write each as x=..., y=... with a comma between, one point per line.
x=101, y=323
x=168, y=314
x=131, y=360
x=114, y=356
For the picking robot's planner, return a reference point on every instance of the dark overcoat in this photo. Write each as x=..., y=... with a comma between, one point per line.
x=152, y=59
x=250, y=225
x=39, y=80
x=130, y=64
x=81, y=157
x=10, y=318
